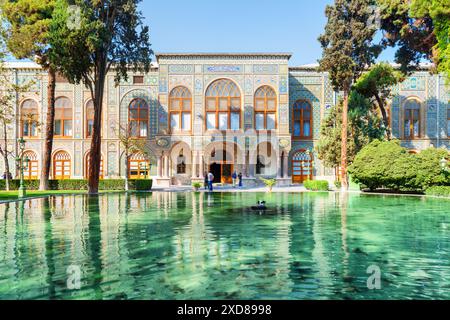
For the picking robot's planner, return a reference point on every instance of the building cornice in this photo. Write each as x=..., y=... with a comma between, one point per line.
x=223, y=55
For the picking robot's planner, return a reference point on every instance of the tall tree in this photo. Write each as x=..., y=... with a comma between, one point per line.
x=347, y=51
x=419, y=29
x=27, y=30
x=376, y=85
x=365, y=125
x=91, y=38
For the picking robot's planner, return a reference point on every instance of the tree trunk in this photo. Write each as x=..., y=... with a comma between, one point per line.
x=95, y=154
x=384, y=115
x=49, y=130
x=5, y=156
x=344, y=177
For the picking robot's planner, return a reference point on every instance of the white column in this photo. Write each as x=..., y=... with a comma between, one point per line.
x=286, y=165
x=201, y=166
x=194, y=164
x=166, y=166
x=159, y=167
x=252, y=165
x=279, y=164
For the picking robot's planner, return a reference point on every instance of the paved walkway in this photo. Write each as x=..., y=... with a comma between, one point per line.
x=231, y=189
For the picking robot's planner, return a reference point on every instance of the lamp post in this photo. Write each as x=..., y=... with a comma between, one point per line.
x=21, y=164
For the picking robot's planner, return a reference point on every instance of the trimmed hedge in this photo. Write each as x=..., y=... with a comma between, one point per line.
x=316, y=185
x=110, y=184
x=388, y=165
x=438, y=191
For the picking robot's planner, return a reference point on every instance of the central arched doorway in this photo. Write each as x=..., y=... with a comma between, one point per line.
x=221, y=166
x=302, y=166
x=222, y=159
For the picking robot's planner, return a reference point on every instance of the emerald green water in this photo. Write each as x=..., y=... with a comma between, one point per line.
x=200, y=246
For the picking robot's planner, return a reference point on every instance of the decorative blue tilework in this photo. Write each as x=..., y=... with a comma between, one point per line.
x=181, y=69
x=413, y=83
x=283, y=85
x=265, y=68
x=223, y=68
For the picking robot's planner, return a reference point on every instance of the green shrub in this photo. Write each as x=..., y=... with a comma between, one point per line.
x=140, y=185
x=316, y=185
x=438, y=191
x=428, y=168
x=110, y=184
x=196, y=185
x=270, y=183
x=388, y=165
x=338, y=184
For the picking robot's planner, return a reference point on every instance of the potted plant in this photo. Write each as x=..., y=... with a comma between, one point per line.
x=196, y=186
x=269, y=183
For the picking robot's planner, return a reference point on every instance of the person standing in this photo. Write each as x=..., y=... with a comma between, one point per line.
x=234, y=177
x=240, y=179
x=205, y=182
x=210, y=181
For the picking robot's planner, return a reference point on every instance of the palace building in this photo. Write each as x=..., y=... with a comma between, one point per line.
x=219, y=112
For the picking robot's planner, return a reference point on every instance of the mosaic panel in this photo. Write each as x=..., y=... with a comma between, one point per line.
x=181, y=69
x=413, y=83
x=283, y=85
x=186, y=81
x=198, y=86
x=248, y=85
x=265, y=68
x=263, y=80
x=225, y=68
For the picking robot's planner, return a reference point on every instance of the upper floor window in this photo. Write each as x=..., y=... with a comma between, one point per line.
x=29, y=118
x=63, y=117
x=138, y=115
x=412, y=119
x=302, y=119
x=180, y=105
x=223, y=106
x=89, y=118
x=138, y=79
x=265, y=108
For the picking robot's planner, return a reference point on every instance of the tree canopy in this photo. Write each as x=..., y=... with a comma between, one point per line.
x=420, y=29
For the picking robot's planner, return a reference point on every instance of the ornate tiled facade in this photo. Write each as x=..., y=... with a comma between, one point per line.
x=184, y=156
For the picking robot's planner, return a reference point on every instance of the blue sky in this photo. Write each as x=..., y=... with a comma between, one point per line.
x=239, y=26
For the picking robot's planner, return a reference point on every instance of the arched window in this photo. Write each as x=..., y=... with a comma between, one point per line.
x=180, y=105
x=302, y=166
x=29, y=118
x=61, y=166
x=87, y=166
x=63, y=117
x=223, y=106
x=89, y=118
x=138, y=166
x=265, y=108
x=138, y=115
x=302, y=120
x=412, y=125
x=30, y=171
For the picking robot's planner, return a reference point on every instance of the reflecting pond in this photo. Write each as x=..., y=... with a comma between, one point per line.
x=212, y=246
